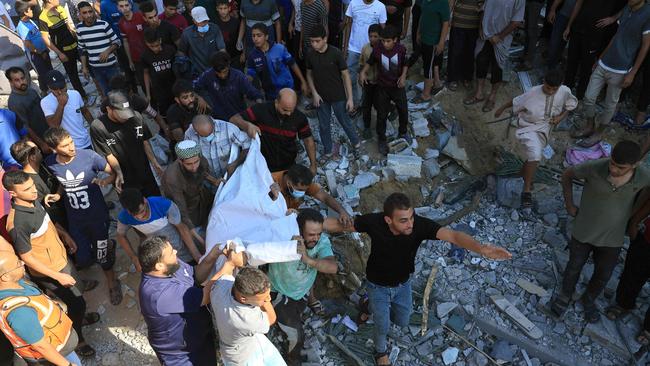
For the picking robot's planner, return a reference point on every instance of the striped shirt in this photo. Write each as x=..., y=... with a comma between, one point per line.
x=95, y=39
x=312, y=15
x=466, y=14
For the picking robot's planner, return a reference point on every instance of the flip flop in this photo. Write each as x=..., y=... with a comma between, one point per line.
x=91, y=318
x=85, y=351
x=115, y=293
x=472, y=100
x=488, y=106
x=89, y=285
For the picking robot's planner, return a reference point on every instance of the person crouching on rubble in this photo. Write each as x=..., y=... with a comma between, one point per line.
x=538, y=110
x=292, y=281
x=396, y=235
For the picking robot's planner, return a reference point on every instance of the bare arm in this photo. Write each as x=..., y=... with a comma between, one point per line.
x=50, y=45
x=87, y=115
x=346, y=34
x=267, y=307
x=509, y=29
x=242, y=29
x=567, y=191
x=330, y=202
x=152, y=158
x=50, y=353
x=147, y=83
x=278, y=31
x=347, y=83
x=245, y=126
x=33, y=263
x=466, y=241
x=203, y=269
x=332, y=225
x=574, y=14
x=55, y=119
x=640, y=57
x=115, y=166
x=323, y=265
x=124, y=243
x=407, y=19
x=310, y=81
x=186, y=236
x=310, y=146
x=125, y=42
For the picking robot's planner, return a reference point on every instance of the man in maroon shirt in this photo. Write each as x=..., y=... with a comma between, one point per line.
x=171, y=15
x=132, y=27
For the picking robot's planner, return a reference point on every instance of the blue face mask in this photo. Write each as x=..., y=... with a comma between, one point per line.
x=296, y=194
x=208, y=138
x=203, y=28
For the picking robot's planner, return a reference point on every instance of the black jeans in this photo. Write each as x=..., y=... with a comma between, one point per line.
x=368, y=101
x=460, y=65
x=486, y=61
x=605, y=259
x=43, y=65
x=635, y=274
x=644, y=96
x=289, y=313
x=416, y=12
x=70, y=67
x=582, y=53
x=71, y=296
x=383, y=97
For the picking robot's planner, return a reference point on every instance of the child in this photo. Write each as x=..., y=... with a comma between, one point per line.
x=157, y=61
x=390, y=55
x=271, y=64
x=229, y=29
x=171, y=15
x=538, y=109
x=370, y=87
x=34, y=45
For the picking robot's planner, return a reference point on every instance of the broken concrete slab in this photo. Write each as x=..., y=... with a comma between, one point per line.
x=365, y=180
x=458, y=153
x=517, y=317
x=509, y=191
x=443, y=309
x=605, y=333
x=450, y=355
x=532, y=288
x=397, y=145
x=330, y=176
x=431, y=168
x=408, y=166
x=501, y=351
x=421, y=127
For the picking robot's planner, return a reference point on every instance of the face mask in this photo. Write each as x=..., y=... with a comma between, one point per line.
x=203, y=28
x=208, y=138
x=296, y=194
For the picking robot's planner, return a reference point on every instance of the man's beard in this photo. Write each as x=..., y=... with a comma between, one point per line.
x=192, y=175
x=172, y=268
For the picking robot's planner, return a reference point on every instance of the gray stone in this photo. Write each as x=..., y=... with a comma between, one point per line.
x=514, y=215
x=501, y=351
x=421, y=127
x=477, y=359
x=111, y=359
x=330, y=176
x=551, y=219
x=409, y=166
x=557, y=240
x=509, y=191
x=491, y=278
x=450, y=355
x=559, y=328
x=431, y=168
x=443, y=309
x=431, y=154
x=365, y=180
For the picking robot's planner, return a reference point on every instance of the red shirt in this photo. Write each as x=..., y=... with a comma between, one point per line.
x=177, y=20
x=133, y=30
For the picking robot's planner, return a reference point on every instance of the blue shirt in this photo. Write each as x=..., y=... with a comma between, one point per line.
x=28, y=31
x=24, y=320
x=85, y=201
x=179, y=328
x=272, y=67
x=226, y=96
x=8, y=135
x=112, y=15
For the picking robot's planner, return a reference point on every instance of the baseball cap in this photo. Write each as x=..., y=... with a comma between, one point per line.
x=199, y=14
x=120, y=104
x=54, y=79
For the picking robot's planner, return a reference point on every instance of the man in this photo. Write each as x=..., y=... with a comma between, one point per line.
x=110, y=13
x=168, y=34
x=153, y=216
x=172, y=16
x=618, y=64
x=462, y=42
x=296, y=183
x=35, y=334
x=26, y=104
x=610, y=189
x=88, y=214
x=122, y=137
x=538, y=110
x=65, y=108
x=225, y=87
x=187, y=105
x=97, y=46
x=331, y=88
x=179, y=327
x=396, y=234
x=252, y=12
x=132, y=31
x=215, y=139
x=159, y=78
x=184, y=183
x=279, y=123
x=359, y=15
x=533, y=9
x=398, y=14
x=243, y=312
x=37, y=243
x=200, y=41
x=500, y=18
x=35, y=47
x=292, y=281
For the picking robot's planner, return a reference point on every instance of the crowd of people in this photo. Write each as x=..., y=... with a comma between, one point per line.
x=203, y=78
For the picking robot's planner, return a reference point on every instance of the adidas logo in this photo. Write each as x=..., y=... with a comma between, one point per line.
x=70, y=180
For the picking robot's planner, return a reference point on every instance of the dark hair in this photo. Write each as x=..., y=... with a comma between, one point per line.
x=374, y=28
x=626, y=152
x=21, y=151
x=150, y=252
x=318, y=31
x=553, y=78
x=220, y=60
x=10, y=179
x=146, y=7
x=167, y=3
x=396, y=201
x=260, y=27
x=222, y=2
x=251, y=281
x=21, y=7
x=180, y=87
x=309, y=214
x=300, y=174
x=389, y=32
x=119, y=82
x=151, y=35
x=53, y=136
x=131, y=199
x=13, y=70
x=83, y=4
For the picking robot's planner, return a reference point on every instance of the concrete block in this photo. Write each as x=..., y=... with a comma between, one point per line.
x=605, y=333
x=410, y=166
x=331, y=181
x=365, y=180
x=431, y=168
x=421, y=127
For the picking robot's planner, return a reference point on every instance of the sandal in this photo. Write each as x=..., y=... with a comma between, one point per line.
x=115, y=293
x=90, y=318
x=364, y=310
x=643, y=338
x=381, y=355
x=472, y=100
x=488, y=106
x=317, y=308
x=614, y=312
x=89, y=285
x=85, y=350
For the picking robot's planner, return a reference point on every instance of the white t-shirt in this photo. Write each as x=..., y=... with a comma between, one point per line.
x=73, y=120
x=363, y=15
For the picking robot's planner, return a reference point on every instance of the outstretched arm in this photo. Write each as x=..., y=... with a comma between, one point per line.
x=466, y=241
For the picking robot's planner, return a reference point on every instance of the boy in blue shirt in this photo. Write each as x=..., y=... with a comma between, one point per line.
x=38, y=52
x=271, y=63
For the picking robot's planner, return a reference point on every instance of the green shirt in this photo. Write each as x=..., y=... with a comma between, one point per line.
x=294, y=279
x=604, y=210
x=434, y=13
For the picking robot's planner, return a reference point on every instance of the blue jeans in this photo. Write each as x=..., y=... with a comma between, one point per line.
x=325, y=123
x=389, y=304
x=557, y=43
x=353, y=69
x=103, y=75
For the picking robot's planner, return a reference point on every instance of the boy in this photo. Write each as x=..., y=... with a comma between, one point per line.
x=391, y=79
x=229, y=30
x=538, y=109
x=370, y=86
x=256, y=11
x=132, y=29
x=271, y=64
x=157, y=61
x=171, y=15
x=35, y=47
x=334, y=90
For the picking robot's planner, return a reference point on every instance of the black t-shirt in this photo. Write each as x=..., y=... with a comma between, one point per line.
x=326, y=70
x=180, y=117
x=397, y=18
x=592, y=11
x=229, y=31
x=168, y=33
x=160, y=69
x=392, y=257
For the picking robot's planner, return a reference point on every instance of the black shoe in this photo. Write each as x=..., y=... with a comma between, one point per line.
x=592, y=315
x=383, y=147
x=559, y=305
x=526, y=200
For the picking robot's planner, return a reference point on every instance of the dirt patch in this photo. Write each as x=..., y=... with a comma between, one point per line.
x=372, y=198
